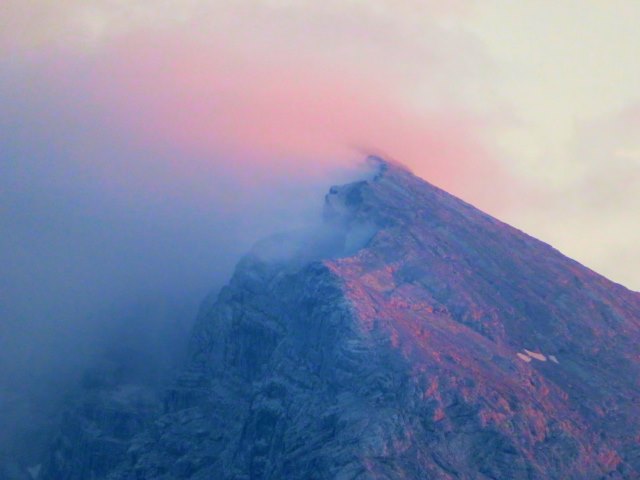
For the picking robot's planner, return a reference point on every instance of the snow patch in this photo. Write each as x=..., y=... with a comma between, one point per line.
x=535, y=355
x=528, y=355
x=524, y=356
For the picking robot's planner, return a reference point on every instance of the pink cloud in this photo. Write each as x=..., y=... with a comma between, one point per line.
x=203, y=99
x=268, y=110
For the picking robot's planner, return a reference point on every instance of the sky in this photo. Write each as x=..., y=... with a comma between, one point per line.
x=146, y=145
x=530, y=109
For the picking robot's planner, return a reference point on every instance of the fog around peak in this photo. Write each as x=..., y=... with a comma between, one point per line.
x=107, y=251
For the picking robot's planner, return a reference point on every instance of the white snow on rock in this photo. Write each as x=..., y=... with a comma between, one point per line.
x=528, y=355
x=524, y=356
x=535, y=355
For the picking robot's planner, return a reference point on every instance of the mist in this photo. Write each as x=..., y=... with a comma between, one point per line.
x=139, y=168
x=109, y=245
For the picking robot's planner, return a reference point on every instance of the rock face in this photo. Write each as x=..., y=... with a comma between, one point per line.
x=419, y=339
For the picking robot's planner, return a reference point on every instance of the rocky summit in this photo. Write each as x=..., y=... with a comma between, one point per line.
x=412, y=337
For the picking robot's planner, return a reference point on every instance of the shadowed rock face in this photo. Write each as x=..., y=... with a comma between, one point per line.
x=417, y=338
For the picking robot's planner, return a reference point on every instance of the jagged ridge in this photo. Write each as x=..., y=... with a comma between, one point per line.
x=419, y=338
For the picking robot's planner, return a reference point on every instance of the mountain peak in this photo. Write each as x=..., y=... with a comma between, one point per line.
x=440, y=343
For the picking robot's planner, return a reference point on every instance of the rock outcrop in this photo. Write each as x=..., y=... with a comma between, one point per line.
x=415, y=338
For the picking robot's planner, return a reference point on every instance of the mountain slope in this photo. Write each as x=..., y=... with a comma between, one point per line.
x=416, y=337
